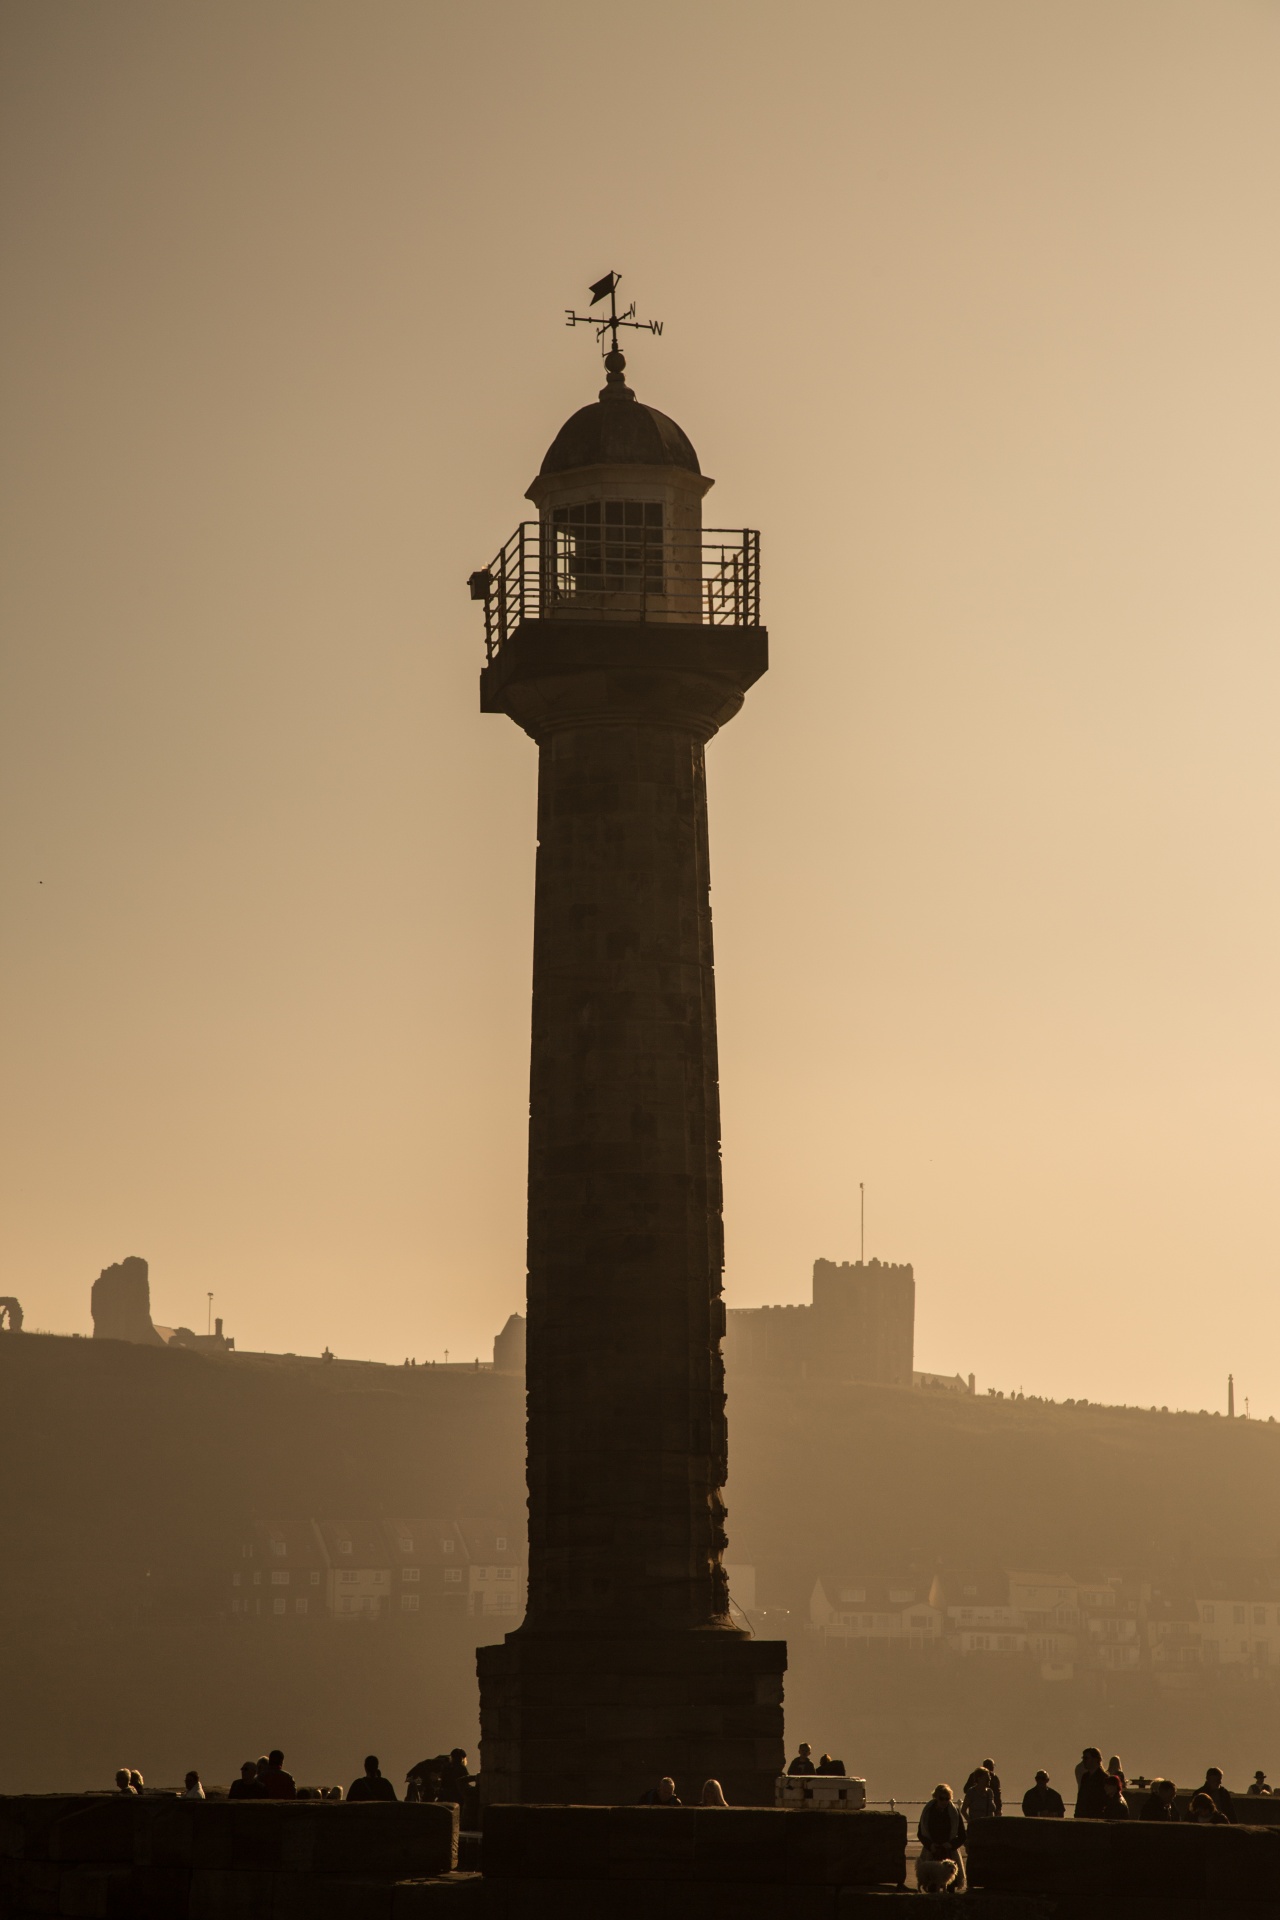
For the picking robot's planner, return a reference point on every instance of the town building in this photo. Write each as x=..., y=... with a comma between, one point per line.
x=376, y=1569
x=903, y=1611
x=494, y=1571
x=281, y=1573
x=1107, y=1624
x=358, y=1568
x=428, y=1565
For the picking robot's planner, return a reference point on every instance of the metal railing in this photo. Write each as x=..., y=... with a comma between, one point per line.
x=556, y=572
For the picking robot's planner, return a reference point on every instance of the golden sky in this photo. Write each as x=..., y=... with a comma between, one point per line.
x=972, y=306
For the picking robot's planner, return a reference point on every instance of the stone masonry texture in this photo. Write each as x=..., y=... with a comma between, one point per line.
x=627, y=1455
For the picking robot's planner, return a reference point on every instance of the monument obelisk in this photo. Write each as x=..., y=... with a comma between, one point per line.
x=621, y=637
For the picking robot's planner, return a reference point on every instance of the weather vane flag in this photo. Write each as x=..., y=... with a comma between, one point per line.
x=607, y=289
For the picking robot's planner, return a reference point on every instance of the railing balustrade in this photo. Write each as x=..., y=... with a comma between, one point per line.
x=598, y=570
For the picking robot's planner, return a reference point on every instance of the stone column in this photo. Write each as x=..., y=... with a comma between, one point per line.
x=627, y=1665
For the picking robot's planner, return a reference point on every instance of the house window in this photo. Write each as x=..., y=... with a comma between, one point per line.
x=1259, y=1616
x=1237, y=1614
x=901, y=1596
x=235, y=1606
x=300, y=1606
x=411, y=1573
x=605, y=545
x=1206, y=1614
x=344, y=1546
x=315, y=1579
x=446, y=1546
x=279, y=1579
x=235, y=1579
x=257, y=1579
x=278, y=1606
x=506, y=1573
x=406, y=1546
x=246, y=1553
x=501, y=1543
x=347, y=1577
x=854, y=1594
x=453, y=1573
x=408, y=1603
x=277, y=1547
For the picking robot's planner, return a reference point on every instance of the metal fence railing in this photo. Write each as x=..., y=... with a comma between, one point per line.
x=619, y=568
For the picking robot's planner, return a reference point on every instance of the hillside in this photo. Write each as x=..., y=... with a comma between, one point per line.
x=130, y=1474
x=888, y=1477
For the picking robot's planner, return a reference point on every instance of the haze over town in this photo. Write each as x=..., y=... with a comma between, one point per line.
x=972, y=311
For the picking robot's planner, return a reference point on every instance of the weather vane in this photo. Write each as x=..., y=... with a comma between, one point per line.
x=608, y=289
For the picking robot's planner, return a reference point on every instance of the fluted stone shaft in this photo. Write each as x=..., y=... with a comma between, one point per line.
x=627, y=1659
x=626, y=1387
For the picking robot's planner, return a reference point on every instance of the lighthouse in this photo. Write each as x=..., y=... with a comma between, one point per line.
x=621, y=635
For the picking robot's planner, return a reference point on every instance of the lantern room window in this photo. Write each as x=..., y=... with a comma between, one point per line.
x=608, y=546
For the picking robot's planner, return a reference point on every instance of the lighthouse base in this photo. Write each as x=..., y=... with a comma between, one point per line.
x=596, y=1720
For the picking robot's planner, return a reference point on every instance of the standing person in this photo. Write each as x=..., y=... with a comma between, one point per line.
x=124, y=1783
x=941, y=1831
x=1258, y=1785
x=456, y=1778
x=979, y=1801
x=1115, y=1806
x=247, y=1787
x=371, y=1785
x=191, y=1787
x=1113, y=1766
x=426, y=1780
x=1161, y=1803
x=990, y=1766
x=136, y=1778
x=663, y=1795
x=1091, y=1791
x=803, y=1762
x=277, y=1784
x=1042, y=1802
x=1218, y=1793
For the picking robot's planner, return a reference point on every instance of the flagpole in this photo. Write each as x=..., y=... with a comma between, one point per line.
x=862, y=1224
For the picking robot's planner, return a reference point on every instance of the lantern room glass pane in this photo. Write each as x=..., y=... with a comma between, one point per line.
x=608, y=546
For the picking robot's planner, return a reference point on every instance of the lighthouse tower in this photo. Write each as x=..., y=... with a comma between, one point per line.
x=621, y=635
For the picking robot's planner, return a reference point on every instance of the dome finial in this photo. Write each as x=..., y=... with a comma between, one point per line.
x=615, y=387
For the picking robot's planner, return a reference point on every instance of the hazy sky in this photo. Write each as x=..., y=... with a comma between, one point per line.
x=973, y=308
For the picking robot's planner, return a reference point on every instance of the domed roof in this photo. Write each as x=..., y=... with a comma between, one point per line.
x=617, y=431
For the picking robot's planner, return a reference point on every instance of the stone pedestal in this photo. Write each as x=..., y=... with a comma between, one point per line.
x=597, y=1721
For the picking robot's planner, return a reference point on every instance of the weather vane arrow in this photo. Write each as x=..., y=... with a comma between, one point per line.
x=607, y=289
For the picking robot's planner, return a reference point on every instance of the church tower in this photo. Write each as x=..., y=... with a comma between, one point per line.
x=621, y=635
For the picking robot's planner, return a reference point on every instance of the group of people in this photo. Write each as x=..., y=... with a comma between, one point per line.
x=446, y=1777
x=804, y=1762
x=130, y=1783
x=1102, y=1793
x=665, y=1795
